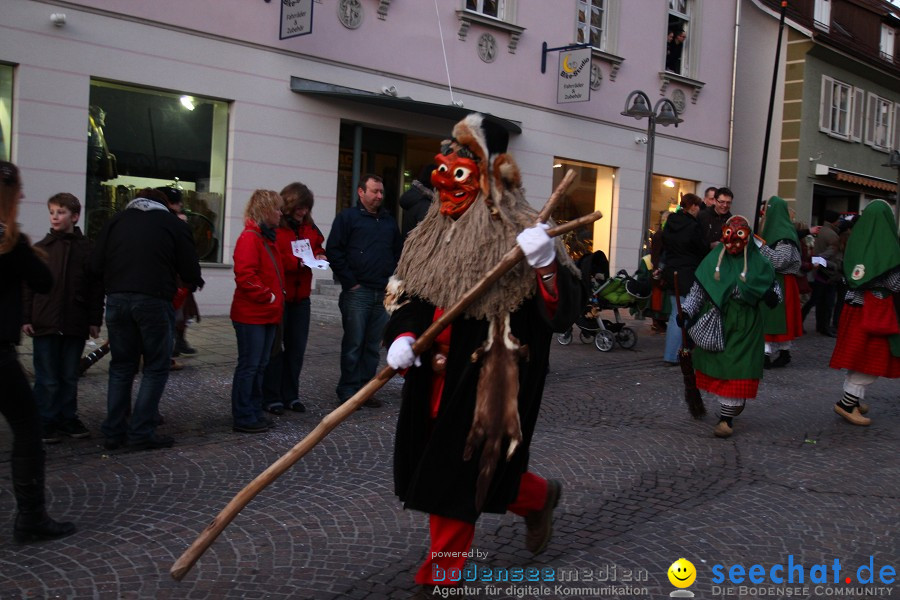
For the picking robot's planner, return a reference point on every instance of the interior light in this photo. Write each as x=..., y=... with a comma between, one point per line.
x=557, y=166
x=187, y=102
x=669, y=183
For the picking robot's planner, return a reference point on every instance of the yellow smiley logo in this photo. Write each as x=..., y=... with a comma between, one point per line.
x=682, y=573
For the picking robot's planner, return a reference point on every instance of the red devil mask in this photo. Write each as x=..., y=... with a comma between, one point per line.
x=456, y=180
x=736, y=234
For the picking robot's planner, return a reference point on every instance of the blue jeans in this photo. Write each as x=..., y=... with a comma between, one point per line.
x=56, y=359
x=254, y=343
x=673, y=335
x=138, y=326
x=281, y=384
x=364, y=318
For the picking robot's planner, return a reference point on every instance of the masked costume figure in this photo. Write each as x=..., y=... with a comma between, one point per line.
x=783, y=323
x=868, y=342
x=724, y=305
x=470, y=404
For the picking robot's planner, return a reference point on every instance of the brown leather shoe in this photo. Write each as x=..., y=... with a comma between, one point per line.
x=539, y=523
x=854, y=417
x=723, y=430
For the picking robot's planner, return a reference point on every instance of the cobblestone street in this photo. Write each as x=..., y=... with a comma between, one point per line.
x=643, y=484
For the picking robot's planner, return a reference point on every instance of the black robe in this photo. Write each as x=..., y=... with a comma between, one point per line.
x=429, y=471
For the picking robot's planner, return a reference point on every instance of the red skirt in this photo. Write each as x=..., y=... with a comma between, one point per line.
x=857, y=350
x=729, y=388
x=791, y=312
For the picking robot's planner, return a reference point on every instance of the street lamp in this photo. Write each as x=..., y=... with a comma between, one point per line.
x=664, y=113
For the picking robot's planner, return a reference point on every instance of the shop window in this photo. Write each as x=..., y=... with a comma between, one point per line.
x=140, y=137
x=592, y=190
x=679, y=38
x=665, y=197
x=6, y=75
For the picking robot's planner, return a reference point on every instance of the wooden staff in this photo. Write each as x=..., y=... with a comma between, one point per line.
x=336, y=417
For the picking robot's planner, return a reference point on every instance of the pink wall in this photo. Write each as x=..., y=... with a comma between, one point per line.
x=406, y=45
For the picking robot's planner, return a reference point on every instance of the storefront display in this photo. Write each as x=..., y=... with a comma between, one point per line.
x=139, y=137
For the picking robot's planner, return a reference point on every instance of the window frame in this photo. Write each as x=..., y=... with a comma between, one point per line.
x=827, y=109
x=506, y=10
x=7, y=87
x=689, y=17
x=822, y=15
x=586, y=26
x=887, y=42
x=876, y=107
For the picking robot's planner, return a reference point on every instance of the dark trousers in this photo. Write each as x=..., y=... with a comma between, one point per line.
x=56, y=359
x=18, y=407
x=281, y=384
x=254, y=343
x=139, y=326
x=364, y=318
x=822, y=298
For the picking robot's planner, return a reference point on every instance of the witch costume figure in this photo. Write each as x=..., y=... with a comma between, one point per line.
x=782, y=323
x=868, y=340
x=469, y=405
x=726, y=320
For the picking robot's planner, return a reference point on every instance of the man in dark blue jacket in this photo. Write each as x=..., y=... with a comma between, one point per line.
x=363, y=248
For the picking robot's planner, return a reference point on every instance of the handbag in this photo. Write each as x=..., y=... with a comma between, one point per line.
x=707, y=332
x=878, y=315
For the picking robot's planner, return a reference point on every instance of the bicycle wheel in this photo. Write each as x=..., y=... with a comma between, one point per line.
x=605, y=340
x=564, y=338
x=627, y=338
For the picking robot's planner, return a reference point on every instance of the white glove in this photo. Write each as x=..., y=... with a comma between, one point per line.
x=400, y=355
x=818, y=260
x=537, y=246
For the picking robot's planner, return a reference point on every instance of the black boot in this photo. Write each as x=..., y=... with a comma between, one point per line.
x=33, y=524
x=783, y=359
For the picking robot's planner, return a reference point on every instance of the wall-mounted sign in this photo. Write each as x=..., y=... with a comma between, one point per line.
x=296, y=18
x=574, y=79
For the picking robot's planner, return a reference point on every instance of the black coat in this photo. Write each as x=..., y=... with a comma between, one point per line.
x=711, y=223
x=683, y=247
x=19, y=265
x=415, y=204
x=429, y=472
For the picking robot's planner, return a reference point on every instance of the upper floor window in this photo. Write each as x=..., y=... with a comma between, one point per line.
x=839, y=104
x=498, y=9
x=886, y=47
x=822, y=14
x=678, y=37
x=591, y=23
x=879, y=117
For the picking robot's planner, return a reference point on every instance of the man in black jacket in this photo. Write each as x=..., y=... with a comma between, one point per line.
x=711, y=221
x=139, y=252
x=363, y=248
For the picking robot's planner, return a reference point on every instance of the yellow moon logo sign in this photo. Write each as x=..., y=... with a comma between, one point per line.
x=566, y=67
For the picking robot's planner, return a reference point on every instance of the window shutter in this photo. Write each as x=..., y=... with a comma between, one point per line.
x=857, y=112
x=896, y=137
x=870, y=119
x=825, y=106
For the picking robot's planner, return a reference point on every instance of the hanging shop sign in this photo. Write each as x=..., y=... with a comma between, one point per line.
x=574, y=79
x=296, y=18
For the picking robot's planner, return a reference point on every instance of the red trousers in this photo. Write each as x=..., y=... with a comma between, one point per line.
x=452, y=536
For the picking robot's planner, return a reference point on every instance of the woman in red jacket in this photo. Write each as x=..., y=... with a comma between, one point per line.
x=280, y=384
x=257, y=307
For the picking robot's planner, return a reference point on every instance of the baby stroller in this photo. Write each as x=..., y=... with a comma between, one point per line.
x=621, y=291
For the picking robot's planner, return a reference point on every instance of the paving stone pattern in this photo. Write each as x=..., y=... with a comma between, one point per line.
x=644, y=484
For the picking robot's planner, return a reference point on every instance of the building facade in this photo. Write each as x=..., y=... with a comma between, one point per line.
x=837, y=111
x=221, y=97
